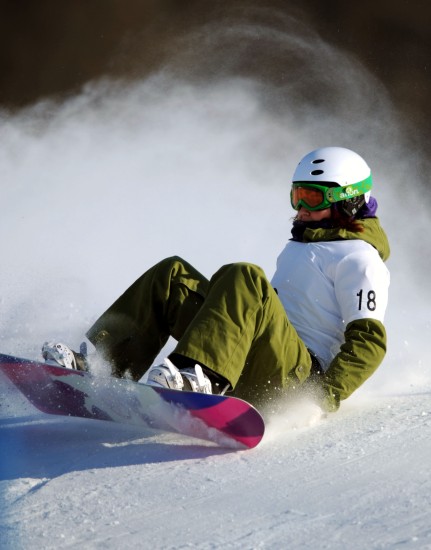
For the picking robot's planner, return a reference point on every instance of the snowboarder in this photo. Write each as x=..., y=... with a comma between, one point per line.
x=317, y=324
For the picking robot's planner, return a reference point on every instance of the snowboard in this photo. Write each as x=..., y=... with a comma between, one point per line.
x=226, y=421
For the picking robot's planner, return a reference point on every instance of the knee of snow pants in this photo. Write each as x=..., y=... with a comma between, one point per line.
x=161, y=303
x=242, y=332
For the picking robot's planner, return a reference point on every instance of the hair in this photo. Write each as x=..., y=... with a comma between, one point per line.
x=344, y=221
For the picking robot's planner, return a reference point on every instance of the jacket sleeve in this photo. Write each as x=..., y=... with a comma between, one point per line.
x=361, y=353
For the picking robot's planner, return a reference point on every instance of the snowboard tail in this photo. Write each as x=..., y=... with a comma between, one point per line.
x=52, y=389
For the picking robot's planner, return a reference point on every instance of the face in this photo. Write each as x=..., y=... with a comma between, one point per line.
x=305, y=215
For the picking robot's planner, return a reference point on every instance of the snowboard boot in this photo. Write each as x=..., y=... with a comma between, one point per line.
x=167, y=375
x=59, y=354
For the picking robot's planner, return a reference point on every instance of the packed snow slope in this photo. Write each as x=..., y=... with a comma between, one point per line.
x=99, y=187
x=359, y=479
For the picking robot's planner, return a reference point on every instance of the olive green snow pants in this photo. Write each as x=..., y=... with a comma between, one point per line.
x=234, y=324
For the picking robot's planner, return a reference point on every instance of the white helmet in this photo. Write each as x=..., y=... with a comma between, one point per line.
x=337, y=165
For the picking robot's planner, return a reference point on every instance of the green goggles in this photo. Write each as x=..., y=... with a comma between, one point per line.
x=318, y=197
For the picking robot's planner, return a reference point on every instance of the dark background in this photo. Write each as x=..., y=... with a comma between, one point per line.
x=52, y=47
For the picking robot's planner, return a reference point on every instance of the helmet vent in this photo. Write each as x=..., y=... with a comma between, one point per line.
x=317, y=161
x=316, y=172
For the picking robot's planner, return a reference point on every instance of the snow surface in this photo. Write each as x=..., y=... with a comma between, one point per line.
x=99, y=187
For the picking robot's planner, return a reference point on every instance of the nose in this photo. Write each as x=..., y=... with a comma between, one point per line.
x=303, y=213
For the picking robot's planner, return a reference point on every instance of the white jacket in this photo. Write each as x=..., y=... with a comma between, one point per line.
x=323, y=286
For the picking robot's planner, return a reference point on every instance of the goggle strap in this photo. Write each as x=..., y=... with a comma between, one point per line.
x=336, y=194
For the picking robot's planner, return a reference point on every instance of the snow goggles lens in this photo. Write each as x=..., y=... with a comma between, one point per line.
x=310, y=197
